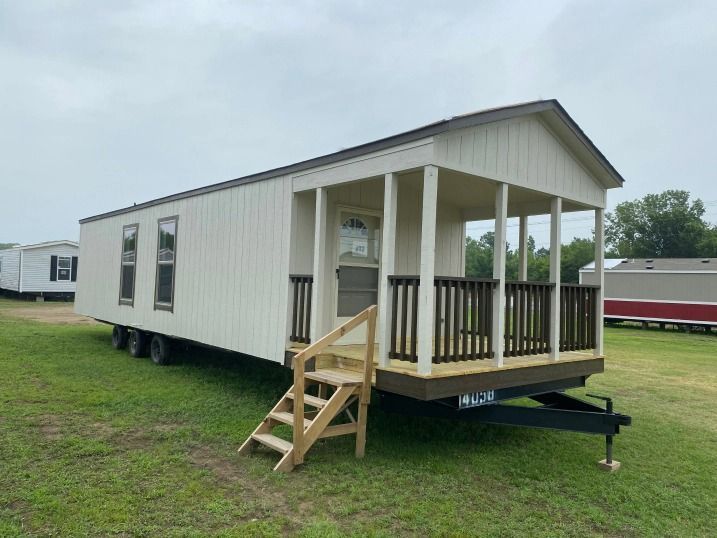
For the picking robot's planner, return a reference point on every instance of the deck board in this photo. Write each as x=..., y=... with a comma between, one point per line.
x=453, y=378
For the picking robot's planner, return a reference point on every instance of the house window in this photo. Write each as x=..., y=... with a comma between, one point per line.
x=129, y=259
x=166, y=257
x=64, y=267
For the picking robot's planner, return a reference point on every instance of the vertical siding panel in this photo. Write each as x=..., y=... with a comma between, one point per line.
x=542, y=157
x=479, y=148
x=523, y=150
x=513, y=149
x=466, y=156
x=533, y=152
x=503, y=150
x=491, y=152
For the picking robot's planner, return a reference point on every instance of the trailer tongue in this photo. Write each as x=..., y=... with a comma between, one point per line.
x=558, y=411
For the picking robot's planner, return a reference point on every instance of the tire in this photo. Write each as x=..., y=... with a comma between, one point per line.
x=137, y=344
x=119, y=337
x=160, y=350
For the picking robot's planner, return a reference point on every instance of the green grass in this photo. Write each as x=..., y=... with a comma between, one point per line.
x=94, y=442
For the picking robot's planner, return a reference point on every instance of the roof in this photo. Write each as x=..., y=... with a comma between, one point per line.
x=463, y=121
x=662, y=265
x=609, y=264
x=45, y=244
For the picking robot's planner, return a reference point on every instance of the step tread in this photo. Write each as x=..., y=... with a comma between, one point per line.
x=336, y=376
x=287, y=418
x=272, y=441
x=313, y=401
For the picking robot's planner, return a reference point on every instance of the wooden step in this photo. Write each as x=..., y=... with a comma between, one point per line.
x=272, y=441
x=336, y=377
x=287, y=418
x=313, y=401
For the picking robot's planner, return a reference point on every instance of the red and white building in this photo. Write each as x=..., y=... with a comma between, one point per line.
x=661, y=290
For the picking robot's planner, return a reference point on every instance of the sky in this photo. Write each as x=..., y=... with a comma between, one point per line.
x=109, y=103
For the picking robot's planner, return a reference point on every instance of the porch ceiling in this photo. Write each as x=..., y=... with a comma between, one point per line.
x=475, y=196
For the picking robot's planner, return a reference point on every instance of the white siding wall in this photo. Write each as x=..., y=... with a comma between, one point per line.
x=523, y=152
x=231, y=274
x=10, y=269
x=36, y=269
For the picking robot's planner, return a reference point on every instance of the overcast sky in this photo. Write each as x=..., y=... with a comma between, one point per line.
x=105, y=105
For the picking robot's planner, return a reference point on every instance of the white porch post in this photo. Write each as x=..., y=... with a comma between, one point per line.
x=556, y=208
x=600, y=274
x=523, y=248
x=428, y=256
x=388, y=266
x=318, y=290
x=501, y=219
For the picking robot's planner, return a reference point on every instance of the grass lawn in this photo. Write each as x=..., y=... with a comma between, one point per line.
x=94, y=442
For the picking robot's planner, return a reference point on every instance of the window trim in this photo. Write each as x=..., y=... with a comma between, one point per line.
x=58, y=269
x=169, y=307
x=123, y=301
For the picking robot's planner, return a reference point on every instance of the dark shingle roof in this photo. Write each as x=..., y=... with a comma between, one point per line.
x=666, y=264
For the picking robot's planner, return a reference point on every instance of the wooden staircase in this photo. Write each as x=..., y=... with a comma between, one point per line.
x=338, y=389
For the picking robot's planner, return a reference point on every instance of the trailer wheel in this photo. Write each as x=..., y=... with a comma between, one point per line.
x=159, y=350
x=119, y=337
x=137, y=344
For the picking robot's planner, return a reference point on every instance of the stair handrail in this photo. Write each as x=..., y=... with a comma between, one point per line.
x=299, y=363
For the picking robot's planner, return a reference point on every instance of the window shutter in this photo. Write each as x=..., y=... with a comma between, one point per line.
x=73, y=274
x=53, y=268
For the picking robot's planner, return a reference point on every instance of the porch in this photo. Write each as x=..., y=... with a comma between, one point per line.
x=376, y=230
x=363, y=238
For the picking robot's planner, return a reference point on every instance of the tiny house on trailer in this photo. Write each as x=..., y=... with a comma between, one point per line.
x=680, y=291
x=268, y=264
x=42, y=270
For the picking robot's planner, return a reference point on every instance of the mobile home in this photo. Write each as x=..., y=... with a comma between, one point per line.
x=269, y=263
x=41, y=270
x=680, y=291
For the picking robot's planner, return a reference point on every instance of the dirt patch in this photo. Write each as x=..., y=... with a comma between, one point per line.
x=224, y=469
x=58, y=314
x=50, y=427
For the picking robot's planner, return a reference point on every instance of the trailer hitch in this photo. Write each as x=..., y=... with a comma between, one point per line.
x=608, y=464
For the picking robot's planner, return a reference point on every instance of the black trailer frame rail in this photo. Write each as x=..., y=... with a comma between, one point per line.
x=558, y=411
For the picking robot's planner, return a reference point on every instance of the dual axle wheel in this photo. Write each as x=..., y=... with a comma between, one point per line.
x=139, y=342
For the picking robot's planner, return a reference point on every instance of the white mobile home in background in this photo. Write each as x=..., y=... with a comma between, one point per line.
x=42, y=270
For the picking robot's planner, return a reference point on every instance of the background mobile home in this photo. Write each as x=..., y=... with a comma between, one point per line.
x=41, y=270
x=661, y=290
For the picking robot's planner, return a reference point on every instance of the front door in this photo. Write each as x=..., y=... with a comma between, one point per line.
x=357, y=268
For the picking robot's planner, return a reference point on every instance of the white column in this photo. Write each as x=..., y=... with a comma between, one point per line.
x=318, y=290
x=501, y=219
x=428, y=256
x=556, y=208
x=523, y=248
x=388, y=266
x=600, y=277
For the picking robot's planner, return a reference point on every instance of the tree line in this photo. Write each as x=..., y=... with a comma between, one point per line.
x=665, y=225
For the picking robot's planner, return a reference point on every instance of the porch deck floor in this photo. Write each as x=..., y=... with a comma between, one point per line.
x=355, y=352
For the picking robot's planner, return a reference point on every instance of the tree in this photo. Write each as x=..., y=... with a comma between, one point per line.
x=479, y=259
x=3, y=246
x=660, y=225
x=576, y=254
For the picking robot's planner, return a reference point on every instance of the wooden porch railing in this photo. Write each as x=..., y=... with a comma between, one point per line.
x=463, y=318
x=301, y=309
x=527, y=318
x=577, y=316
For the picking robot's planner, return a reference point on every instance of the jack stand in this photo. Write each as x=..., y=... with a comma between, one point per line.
x=608, y=464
